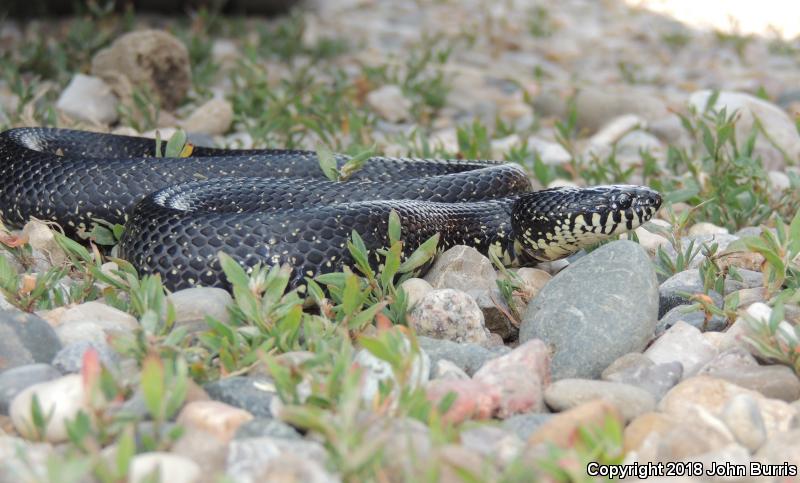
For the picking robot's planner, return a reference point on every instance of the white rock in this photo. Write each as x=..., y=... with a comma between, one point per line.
x=224, y=52
x=501, y=147
x=213, y=118
x=416, y=289
x=549, y=152
x=169, y=468
x=615, y=129
x=390, y=103
x=64, y=397
x=88, y=99
x=41, y=239
x=779, y=181
x=705, y=228
x=445, y=139
x=683, y=343
x=379, y=371
x=649, y=241
x=783, y=134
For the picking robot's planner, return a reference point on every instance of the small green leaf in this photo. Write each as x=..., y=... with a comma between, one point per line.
x=327, y=162
x=152, y=386
x=395, y=229
x=176, y=144
x=233, y=271
x=421, y=255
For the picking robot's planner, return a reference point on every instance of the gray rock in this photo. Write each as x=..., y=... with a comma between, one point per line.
x=25, y=339
x=670, y=292
x=253, y=394
x=631, y=401
x=693, y=317
x=743, y=417
x=249, y=459
x=597, y=309
x=656, y=379
x=468, y=357
x=524, y=425
x=266, y=427
x=774, y=381
x=448, y=314
x=88, y=99
x=70, y=358
x=192, y=305
x=14, y=380
x=685, y=344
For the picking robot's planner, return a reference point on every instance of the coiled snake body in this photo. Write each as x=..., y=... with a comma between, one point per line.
x=276, y=206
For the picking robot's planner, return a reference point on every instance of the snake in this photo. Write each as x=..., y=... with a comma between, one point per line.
x=276, y=206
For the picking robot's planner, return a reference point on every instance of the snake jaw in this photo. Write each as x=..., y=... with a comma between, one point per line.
x=556, y=223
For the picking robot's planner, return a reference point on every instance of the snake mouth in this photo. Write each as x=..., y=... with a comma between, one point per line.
x=554, y=224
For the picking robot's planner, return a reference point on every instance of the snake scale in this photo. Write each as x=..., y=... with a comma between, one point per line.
x=276, y=206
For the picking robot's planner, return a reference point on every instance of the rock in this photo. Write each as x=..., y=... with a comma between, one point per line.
x=774, y=381
x=203, y=448
x=651, y=242
x=501, y=147
x=749, y=261
x=519, y=378
x=630, y=401
x=44, y=244
x=446, y=140
x=444, y=369
x=549, y=152
x=449, y=314
x=69, y=359
x=562, y=428
x=671, y=291
x=14, y=380
x=225, y=53
x=25, y=339
x=614, y=130
x=533, y=280
x=213, y=118
x=685, y=344
x=64, y=397
x=469, y=357
x=168, y=467
x=88, y=99
x=725, y=458
x=632, y=144
x=573, y=313
x=390, y=103
x=781, y=449
x=249, y=460
x=742, y=416
x=213, y=417
x=711, y=395
x=692, y=316
x=595, y=106
x=33, y=466
x=462, y=268
x=91, y=321
x=377, y=372
x=152, y=59
x=473, y=399
x=266, y=427
x=415, y=289
x=495, y=313
x=783, y=137
x=523, y=425
x=645, y=425
x=695, y=433
x=493, y=442
x=656, y=379
x=253, y=394
x=193, y=305
x=779, y=181
x=704, y=228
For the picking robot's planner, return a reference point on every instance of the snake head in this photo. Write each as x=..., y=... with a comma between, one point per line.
x=556, y=223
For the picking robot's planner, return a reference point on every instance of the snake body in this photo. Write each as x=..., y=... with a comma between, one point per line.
x=276, y=206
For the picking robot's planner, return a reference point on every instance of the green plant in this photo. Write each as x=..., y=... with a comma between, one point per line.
x=780, y=250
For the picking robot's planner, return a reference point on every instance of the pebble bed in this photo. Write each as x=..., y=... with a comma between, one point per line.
x=599, y=335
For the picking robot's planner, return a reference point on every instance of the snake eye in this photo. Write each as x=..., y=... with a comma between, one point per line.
x=624, y=201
